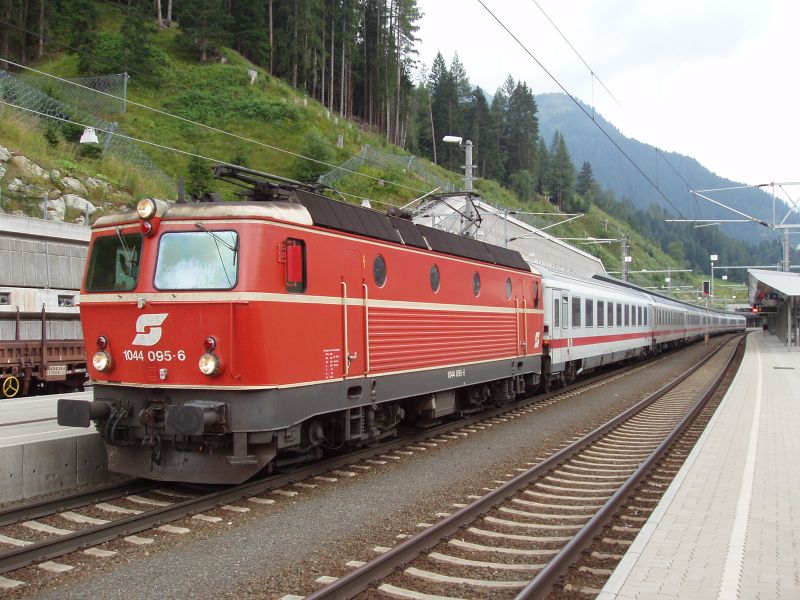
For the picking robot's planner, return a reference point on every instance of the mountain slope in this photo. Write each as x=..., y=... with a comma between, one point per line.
x=613, y=171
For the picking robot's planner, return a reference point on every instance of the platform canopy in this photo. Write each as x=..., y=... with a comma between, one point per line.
x=776, y=296
x=773, y=285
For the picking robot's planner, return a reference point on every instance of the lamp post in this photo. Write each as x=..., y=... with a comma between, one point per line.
x=469, y=208
x=467, y=146
x=713, y=258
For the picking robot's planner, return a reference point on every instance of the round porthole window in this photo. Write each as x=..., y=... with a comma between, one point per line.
x=508, y=288
x=476, y=284
x=379, y=270
x=435, y=281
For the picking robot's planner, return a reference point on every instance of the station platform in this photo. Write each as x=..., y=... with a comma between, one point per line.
x=37, y=456
x=729, y=525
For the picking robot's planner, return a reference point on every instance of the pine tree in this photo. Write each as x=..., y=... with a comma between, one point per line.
x=137, y=52
x=585, y=182
x=561, y=172
x=522, y=130
x=81, y=22
x=205, y=24
x=250, y=30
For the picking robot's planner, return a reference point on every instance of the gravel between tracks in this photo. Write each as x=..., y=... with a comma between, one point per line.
x=282, y=548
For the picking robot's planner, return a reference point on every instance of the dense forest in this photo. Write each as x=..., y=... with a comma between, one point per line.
x=358, y=59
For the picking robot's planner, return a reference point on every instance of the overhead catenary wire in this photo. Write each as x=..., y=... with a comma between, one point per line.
x=578, y=54
x=580, y=106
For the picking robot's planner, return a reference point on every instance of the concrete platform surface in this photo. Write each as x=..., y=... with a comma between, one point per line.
x=37, y=456
x=729, y=525
x=33, y=418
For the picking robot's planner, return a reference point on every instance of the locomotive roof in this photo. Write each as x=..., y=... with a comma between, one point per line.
x=279, y=210
x=308, y=208
x=343, y=216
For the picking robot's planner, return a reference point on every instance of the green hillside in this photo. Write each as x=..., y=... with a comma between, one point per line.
x=212, y=112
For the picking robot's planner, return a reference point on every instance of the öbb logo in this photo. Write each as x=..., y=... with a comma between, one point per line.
x=148, y=329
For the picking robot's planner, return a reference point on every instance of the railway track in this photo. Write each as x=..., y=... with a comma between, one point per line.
x=39, y=532
x=522, y=538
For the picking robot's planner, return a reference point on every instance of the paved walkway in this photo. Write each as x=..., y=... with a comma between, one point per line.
x=729, y=525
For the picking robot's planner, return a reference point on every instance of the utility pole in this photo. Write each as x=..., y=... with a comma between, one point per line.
x=625, y=259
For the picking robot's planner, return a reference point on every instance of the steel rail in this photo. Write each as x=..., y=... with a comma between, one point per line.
x=16, y=558
x=541, y=585
x=43, y=508
x=357, y=580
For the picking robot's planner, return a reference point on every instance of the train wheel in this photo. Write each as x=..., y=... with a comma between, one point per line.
x=10, y=386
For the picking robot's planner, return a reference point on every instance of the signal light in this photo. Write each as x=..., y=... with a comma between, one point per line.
x=147, y=228
x=102, y=342
x=209, y=344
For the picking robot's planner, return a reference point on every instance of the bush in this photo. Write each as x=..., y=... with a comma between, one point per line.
x=90, y=151
x=314, y=147
x=51, y=134
x=71, y=132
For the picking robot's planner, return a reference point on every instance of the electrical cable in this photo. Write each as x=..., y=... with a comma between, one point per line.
x=591, y=71
x=581, y=107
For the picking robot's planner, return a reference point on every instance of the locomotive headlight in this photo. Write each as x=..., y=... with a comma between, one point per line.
x=208, y=364
x=102, y=361
x=146, y=208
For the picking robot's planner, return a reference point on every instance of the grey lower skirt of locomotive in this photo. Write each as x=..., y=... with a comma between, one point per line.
x=216, y=436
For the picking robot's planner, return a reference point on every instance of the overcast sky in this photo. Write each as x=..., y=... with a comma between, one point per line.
x=713, y=79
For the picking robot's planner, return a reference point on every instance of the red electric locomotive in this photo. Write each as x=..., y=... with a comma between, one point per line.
x=229, y=337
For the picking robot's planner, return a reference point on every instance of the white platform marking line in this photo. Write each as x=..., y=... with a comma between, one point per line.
x=734, y=559
x=636, y=547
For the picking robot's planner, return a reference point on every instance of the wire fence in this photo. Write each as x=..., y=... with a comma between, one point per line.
x=59, y=100
x=378, y=158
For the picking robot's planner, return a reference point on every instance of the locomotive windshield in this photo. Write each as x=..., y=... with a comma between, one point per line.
x=197, y=260
x=114, y=263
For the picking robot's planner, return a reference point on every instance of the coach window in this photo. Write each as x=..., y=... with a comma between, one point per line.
x=379, y=270
x=639, y=316
x=576, y=312
x=627, y=315
x=295, y=278
x=476, y=284
x=556, y=311
x=435, y=281
x=619, y=314
x=601, y=313
x=197, y=260
x=646, y=312
x=589, y=313
x=508, y=288
x=610, y=314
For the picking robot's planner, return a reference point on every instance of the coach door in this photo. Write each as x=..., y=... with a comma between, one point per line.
x=354, y=292
x=560, y=333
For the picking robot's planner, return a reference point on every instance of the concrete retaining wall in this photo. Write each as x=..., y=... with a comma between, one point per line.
x=45, y=467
